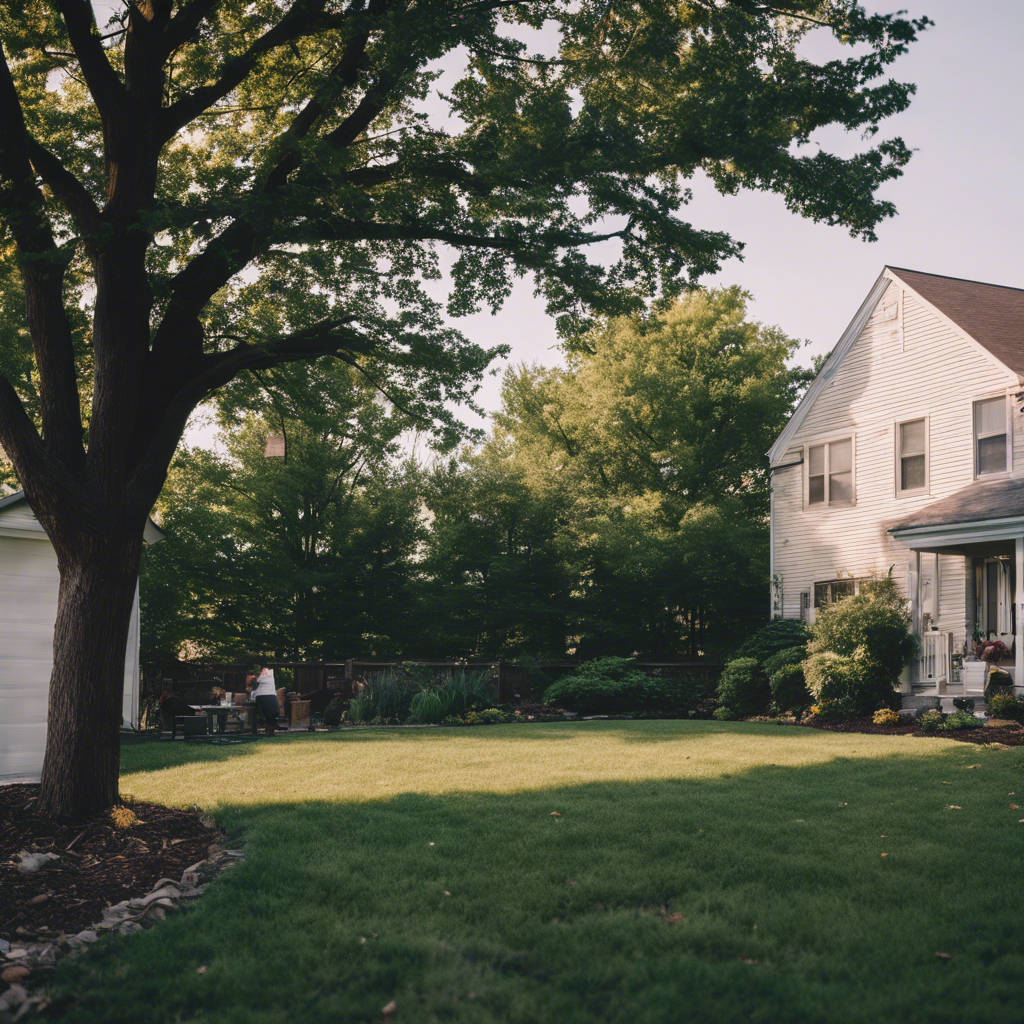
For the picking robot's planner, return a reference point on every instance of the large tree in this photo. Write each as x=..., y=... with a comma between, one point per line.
x=240, y=184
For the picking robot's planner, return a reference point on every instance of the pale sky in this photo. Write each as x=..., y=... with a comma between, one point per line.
x=960, y=201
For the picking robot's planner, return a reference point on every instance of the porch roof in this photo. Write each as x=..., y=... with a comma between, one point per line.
x=977, y=502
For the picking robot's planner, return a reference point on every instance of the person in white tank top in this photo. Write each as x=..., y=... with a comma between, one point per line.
x=264, y=692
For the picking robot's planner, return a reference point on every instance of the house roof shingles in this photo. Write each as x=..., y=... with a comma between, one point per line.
x=992, y=314
x=977, y=502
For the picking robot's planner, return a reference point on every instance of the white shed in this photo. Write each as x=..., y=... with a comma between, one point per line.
x=28, y=611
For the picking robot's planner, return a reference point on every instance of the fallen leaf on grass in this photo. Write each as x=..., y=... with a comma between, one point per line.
x=945, y=783
x=749, y=960
x=390, y=1010
x=972, y=766
x=555, y=814
x=1013, y=807
x=571, y=883
x=844, y=805
x=953, y=807
x=201, y=970
x=885, y=855
x=673, y=918
x=943, y=956
x=447, y=893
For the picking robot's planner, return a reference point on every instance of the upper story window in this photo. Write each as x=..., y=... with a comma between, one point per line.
x=912, y=456
x=830, y=473
x=991, y=449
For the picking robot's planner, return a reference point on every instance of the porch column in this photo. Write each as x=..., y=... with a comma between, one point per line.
x=1018, y=606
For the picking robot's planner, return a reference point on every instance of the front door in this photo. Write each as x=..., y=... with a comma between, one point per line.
x=994, y=590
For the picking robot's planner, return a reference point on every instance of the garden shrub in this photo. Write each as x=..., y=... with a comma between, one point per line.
x=834, y=710
x=778, y=635
x=832, y=677
x=1006, y=705
x=605, y=686
x=789, y=690
x=724, y=714
x=744, y=687
x=488, y=716
x=860, y=646
x=886, y=716
x=931, y=721
x=784, y=659
x=959, y=720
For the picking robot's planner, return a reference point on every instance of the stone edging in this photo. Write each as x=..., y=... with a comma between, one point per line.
x=19, y=960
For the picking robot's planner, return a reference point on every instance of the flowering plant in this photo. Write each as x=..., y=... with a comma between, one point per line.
x=992, y=650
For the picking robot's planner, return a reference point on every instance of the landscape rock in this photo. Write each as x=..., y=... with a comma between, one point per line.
x=88, y=935
x=129, y=927
x=13, y=974
x=30, y=863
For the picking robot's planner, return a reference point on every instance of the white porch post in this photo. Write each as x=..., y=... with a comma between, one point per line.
x=1018, y=607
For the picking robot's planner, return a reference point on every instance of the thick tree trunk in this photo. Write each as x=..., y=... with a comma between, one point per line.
x=97, y=593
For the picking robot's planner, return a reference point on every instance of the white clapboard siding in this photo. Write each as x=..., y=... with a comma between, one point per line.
x=28, y=610
x=896, y=370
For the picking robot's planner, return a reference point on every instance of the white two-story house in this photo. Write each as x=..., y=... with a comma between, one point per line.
x=907, y=451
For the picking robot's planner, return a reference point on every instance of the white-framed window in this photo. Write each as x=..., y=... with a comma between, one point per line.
x=830, y=591
x=830, y=479
x=912, y=456
x=991, y=436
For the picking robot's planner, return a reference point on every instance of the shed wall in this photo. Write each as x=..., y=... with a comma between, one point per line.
x=28, y=610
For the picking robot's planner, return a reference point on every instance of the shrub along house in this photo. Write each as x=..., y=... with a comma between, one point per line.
x=907, y=451
x=28, y=610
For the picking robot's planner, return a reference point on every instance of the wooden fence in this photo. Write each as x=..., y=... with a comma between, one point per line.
x=514, y=682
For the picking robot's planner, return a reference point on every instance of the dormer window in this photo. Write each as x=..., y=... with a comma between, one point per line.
x=990, y=437
x=830, y=473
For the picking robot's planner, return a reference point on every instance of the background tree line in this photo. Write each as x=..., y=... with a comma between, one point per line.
x=618, y=505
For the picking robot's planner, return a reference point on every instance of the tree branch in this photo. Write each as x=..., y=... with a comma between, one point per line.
x=65, y=186
x=42, y=267
x=295, y=22
x=326, y=338
x=107, y=89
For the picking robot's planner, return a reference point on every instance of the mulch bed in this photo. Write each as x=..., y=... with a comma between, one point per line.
x=99, y=864
x=1012, y=736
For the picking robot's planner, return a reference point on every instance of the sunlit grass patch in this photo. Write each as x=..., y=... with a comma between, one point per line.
x=694, y=871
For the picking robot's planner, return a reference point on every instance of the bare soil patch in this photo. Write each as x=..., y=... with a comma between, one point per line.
x=99, y=864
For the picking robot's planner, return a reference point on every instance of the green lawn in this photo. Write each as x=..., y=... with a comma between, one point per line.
x=698, y=871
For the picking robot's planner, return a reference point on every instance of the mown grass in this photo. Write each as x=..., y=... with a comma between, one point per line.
x=696, y=872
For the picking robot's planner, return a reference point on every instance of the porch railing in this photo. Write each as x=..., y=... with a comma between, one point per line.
x=936, y=664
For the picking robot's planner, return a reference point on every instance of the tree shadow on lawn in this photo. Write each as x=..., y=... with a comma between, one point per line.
x=764, y=896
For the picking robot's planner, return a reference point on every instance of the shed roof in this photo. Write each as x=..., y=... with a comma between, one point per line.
x=152, y=534
x=992, y=314
x=975, y=503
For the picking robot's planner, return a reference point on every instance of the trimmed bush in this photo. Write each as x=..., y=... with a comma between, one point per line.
x=931, y=721
x=778, y=635
x=744, y=687
x=784, y=659
x=959, y=720
x=832, y=677
x=724, y=714
x=789, y=690
x=1006, y=705
x=605, y=686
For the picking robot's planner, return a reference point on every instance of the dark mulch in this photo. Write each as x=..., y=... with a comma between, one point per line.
x=99, y=864
x=1012, y=736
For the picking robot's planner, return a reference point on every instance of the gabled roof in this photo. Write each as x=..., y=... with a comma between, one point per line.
x=992, y=314
x=152, y=534
x=977, y=502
